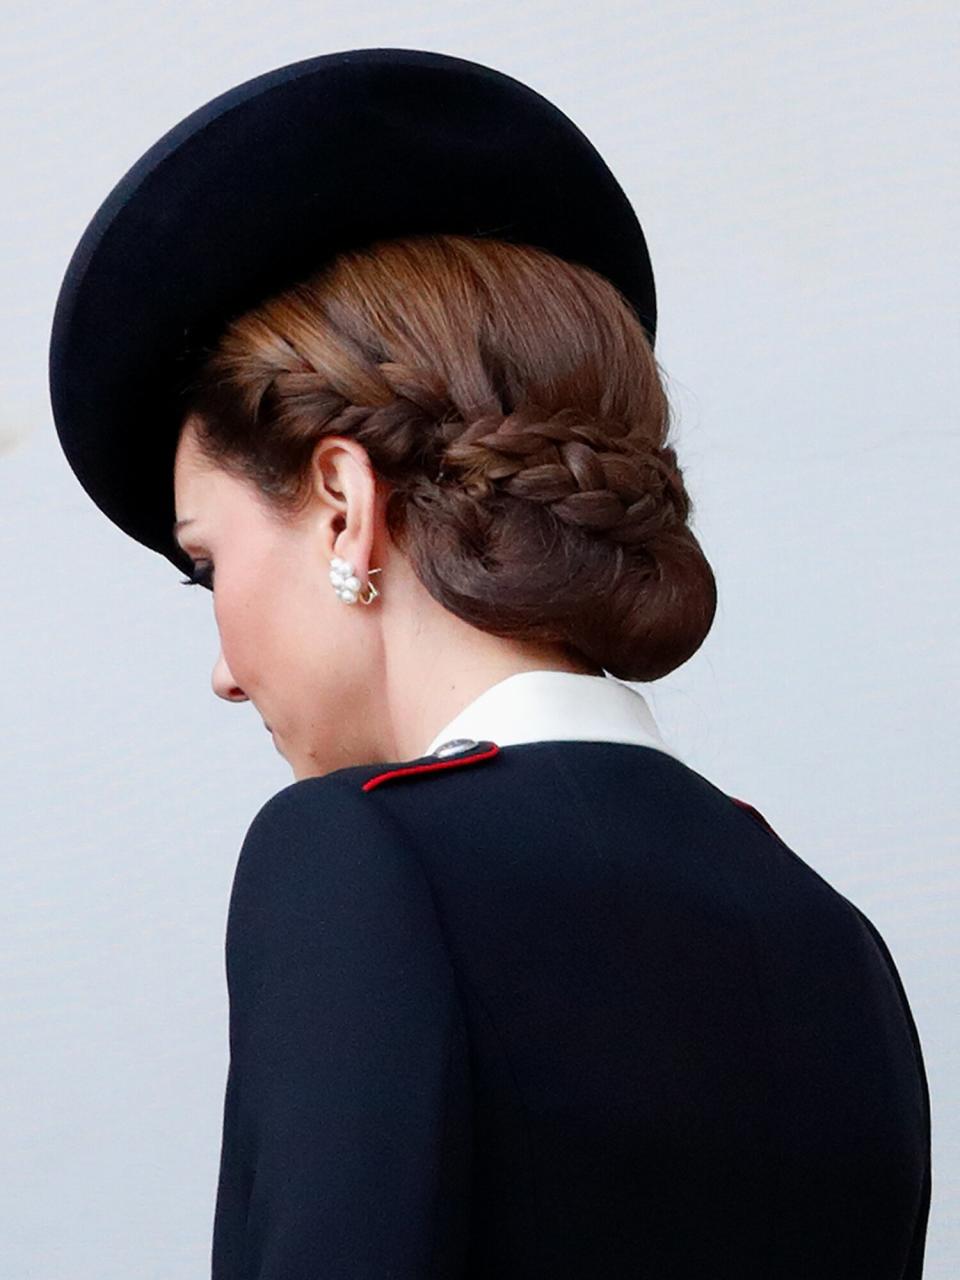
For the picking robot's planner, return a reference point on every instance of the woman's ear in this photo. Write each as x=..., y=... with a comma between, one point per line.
x=347, y=486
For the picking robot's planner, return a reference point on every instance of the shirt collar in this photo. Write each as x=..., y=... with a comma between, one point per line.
x=533, y=706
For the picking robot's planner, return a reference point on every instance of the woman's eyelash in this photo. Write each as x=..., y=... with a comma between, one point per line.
x=200, y=576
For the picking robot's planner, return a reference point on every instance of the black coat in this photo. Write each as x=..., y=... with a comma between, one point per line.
x=558, y=1009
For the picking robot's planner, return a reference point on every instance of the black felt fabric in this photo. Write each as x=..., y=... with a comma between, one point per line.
x=262, y=185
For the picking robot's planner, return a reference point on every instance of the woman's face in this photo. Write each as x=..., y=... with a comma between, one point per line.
x=287, y=642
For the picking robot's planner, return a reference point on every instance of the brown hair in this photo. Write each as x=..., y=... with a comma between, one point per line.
x=513, y=404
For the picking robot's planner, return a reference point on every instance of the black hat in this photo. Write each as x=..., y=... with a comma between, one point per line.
x=263, y=185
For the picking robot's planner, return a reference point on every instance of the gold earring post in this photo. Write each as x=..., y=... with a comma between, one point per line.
x=372, y=590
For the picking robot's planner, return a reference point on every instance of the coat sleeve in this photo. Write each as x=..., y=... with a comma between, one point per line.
x=347, y=1116
x=913, y=1269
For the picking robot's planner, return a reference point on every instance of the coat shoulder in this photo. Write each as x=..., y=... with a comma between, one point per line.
x=325, y=836
x=321, y=865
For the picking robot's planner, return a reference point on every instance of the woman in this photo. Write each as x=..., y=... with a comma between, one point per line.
x=514, y=992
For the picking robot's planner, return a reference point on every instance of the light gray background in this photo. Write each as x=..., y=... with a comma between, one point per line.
x=795, y=170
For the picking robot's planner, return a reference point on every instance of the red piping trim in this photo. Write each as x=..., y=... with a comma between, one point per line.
x=452, y=763
x=755, y=812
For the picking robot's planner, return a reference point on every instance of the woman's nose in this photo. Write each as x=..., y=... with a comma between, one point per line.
x=224, y=685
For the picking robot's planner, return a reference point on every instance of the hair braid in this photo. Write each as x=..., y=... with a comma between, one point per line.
x=511, y=402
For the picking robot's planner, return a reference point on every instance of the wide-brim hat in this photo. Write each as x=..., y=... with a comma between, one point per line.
x=264, y=184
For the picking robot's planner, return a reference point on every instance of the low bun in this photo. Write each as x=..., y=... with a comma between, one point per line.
x=514, y=406
x=565, y=531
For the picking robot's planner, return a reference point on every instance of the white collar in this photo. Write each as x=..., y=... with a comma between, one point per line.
x=533, y=706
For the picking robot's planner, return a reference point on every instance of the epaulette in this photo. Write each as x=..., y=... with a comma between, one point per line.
x=454, y=754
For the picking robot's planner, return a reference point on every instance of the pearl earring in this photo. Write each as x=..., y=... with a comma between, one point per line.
x=346, y=585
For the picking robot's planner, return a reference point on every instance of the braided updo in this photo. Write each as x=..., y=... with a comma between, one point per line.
x=513, y=405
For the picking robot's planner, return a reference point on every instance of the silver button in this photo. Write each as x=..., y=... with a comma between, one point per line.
x=455, y=746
